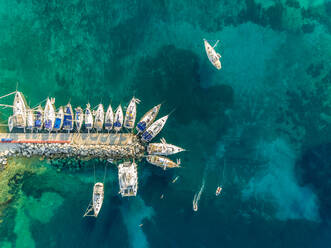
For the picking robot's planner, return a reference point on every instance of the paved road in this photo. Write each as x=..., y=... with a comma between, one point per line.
x=75, y=138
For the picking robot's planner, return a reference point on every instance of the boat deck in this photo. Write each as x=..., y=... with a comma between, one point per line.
x=121, y=139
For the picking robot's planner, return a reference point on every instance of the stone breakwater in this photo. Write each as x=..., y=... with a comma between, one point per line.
x=58, y=151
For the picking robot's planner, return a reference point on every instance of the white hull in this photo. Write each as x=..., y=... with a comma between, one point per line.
x=88, y=118
x=163, y=148
x=49, y=114
x=68, y=121
x=109, y=120
x=118, y=120
x=154, y=129
x=128, y=179
x=162, y=162
x=19, y=111
x=131, y=112
x=97, y=200
x=148, y=119
x=99, y=118
x=79, y=118
x=39, y=118
x=213, y=56
x=30, y=119
x=58, y=119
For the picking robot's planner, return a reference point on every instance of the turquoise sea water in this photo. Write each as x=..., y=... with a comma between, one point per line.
x=264, y=117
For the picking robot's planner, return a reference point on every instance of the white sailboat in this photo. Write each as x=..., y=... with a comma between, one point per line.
x=131, y=112
x=88, y=117
x=162, y=162
x=97, y=200
x=99, y=118
x=128, y=179
x=148, y=119
x=39, y=119
x=19, y=111
x=163, y=148
x=118, y=120
x=68, y=124
x=154, y=129
x=109, y=119
x=79, y=118
x=213, y=56
x=30, y=119
x=59, y=117
x=49, y=114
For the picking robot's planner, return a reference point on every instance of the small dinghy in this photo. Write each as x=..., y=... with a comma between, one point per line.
x=59, y=117
x=49, y=114
x=148, y=119
x=154, y=129
x=97, y=200
x=109, y=120
x=213, y=56
x=118, y=120
x=131, y=112
x=79, y=118
x=68, y=118
x=10, y=123
x=19, y=111
x=39, y=120
x=88, y=118
x=30, y=119
x=218, y=190
x=99, y=118
x=163, y=148
x=162, y=162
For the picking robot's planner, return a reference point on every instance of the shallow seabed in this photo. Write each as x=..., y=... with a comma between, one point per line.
x=264, y=118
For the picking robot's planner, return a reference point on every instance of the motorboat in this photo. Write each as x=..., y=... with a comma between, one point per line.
x=131, y=113
x=213, y=56
x=118, y=120
x=154, y=129
x=163, y=148
x=148, y=119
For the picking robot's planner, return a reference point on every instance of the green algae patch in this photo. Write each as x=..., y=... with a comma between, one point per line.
x=43, y=209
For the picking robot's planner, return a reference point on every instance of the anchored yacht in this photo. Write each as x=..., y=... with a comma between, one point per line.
x=213, y=56
x=97, y=200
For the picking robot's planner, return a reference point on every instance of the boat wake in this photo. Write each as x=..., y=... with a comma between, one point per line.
x=197, y=196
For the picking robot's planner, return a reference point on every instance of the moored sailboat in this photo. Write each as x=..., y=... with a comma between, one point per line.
x=88, y=117
x=79, y=118
x=148, y=119
x=163, y=148
x=163, y=162
x=19, y=111
x=39, y=119
x=49, y=114
x=154, y=129
x=99, y=118
x=68, y=118
x=59, y=117
x=30, y=119
x=128, y=179
x=109, y=119
x=118, y=120
x=97, y=200
x=131, y=112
